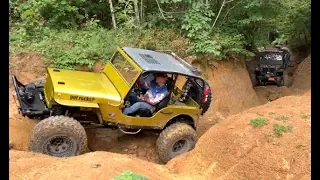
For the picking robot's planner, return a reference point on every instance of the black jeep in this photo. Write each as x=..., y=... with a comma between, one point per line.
x=270, y=68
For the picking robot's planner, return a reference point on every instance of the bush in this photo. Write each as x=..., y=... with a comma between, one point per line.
x=128, y=175
x=68, y=48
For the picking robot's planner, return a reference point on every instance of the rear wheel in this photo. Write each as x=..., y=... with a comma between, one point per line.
x=58, y=136
x=205, y=105
x=176, y=139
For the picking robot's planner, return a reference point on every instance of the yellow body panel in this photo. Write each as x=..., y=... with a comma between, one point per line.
x=76, y=88
x=159, y=119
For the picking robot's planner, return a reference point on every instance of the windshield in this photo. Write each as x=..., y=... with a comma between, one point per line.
x=271, y=58
x=124, y=68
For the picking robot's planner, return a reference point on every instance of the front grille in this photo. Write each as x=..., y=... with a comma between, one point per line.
x=270, y=70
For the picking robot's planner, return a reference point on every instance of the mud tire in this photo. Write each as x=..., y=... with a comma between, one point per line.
x=173, y=134
x=205, y=106
x=55, y=127
x=253, y=79
x=280, y=82
x=286, y=80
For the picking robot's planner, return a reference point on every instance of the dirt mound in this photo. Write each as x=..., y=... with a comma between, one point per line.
x=27, y=66
x=233, y=148
x=96, y=165
x=224, y=151
x=232, y=92
x=301, y=82
x=142, y=145
x=271, y=93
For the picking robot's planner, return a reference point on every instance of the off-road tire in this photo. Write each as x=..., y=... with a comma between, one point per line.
x=205, y=106
x=170, y=136
x=280, y=82
x=285, y=78
x=61, y=126
x=253, y=79
x=39, y=83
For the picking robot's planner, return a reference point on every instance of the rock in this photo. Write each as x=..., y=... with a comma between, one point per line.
x=95, y=165
x=132, y=146
x=141, y=153
x=149, y=144
x=104, y=132
x=102, y=143
x=285, y=165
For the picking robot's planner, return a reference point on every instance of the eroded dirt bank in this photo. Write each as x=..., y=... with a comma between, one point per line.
x=233, y=148
x=230, y=149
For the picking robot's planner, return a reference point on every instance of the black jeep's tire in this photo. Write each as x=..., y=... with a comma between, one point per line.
x=205, y=106
x=285, y=78
x=253, y=79
x=175, y=135
x=39, y=83
x=280, y=82
x=59, y=136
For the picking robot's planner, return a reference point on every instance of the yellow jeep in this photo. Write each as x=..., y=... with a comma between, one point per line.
x=68, y=101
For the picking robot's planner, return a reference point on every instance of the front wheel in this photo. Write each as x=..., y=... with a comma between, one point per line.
x=280, y=82
x=58, y=136
x=176, y=139
x=253, y=78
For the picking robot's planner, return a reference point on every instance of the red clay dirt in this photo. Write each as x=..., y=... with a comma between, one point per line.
x=301, y=82
x=232, y=93
x=231, y=149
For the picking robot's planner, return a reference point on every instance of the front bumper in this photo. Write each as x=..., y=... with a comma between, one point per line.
x=35, y=109
x=267, y=78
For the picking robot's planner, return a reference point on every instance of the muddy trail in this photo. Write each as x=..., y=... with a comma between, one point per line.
x=225, y=147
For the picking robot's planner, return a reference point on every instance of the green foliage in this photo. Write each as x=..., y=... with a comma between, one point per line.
x=294, y=22
x=258, y=122
x=254, y=19
x=75, y=32
x=125, y=16
x=196, y=23
x=70, y=48
x=128, y=175
x=282, y=118
x=280, y=129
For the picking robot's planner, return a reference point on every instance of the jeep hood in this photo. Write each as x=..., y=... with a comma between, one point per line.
x=79, y=88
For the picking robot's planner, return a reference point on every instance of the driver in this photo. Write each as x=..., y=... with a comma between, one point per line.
x=156, y=92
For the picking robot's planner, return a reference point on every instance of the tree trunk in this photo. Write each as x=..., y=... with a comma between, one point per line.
x=141, y=11
x=136, y=11
x=112, y=14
